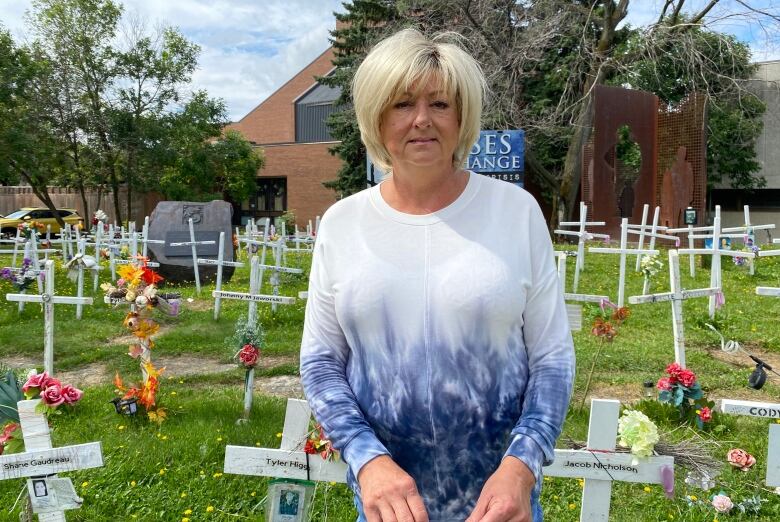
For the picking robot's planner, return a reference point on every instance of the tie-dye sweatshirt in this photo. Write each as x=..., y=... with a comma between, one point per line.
x=439, y=339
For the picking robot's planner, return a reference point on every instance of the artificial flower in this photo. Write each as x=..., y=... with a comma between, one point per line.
x=52, y=396
x=722, y=503
x=249, y=355
x=740, y=459
x=71, y=395
x=705, y=414
x=664, y=384
x=638, y=432
x=38, y=382
x=686, y=377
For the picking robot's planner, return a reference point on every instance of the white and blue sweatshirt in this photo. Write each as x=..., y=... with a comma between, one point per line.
x=439, y=339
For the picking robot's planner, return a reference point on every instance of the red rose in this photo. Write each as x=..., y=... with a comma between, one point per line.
x=310, y=448
x=740, y=459
x=249, y=355
x=71, y=395
x=705, y=414
x=52, y=396
x=664, y=384
x=687, y=378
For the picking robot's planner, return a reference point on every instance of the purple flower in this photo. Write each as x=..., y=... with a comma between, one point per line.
x=26, y=263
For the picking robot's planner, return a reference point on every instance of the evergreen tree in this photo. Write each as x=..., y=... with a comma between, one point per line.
x=363, y=23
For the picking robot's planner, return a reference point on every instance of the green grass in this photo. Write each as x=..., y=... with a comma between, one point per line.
x=203, y=408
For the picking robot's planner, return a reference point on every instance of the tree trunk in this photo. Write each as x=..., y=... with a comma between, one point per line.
x=115, y=190
x=40, y=191
x=572, y=168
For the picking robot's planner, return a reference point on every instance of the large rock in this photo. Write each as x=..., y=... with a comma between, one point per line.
x=169, y=222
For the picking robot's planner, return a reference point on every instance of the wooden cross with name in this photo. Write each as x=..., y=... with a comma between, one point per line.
x=600, y=465
x=289, y=461
x=582, y=236
x=219, y=262
x=50, y=496
x=763, y=410
x=676, y=297
x=623, y=251
x=48, y=299
x=145, y=241
x=193, y=244
x=253, y=297
x=277, y=269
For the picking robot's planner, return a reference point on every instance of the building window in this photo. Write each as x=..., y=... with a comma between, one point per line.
x=271, y=196
x=311, y=114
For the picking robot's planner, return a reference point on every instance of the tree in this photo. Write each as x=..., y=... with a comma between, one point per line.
x=542, y=59
x=362, y=27
x=28, y=150
x=199, y=163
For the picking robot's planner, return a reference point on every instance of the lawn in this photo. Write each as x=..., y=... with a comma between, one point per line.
x=174, y=471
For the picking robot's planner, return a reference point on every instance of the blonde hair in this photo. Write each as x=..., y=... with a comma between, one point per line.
x=406, y=58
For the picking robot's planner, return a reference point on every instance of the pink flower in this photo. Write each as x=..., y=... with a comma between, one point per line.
x=249, y=355
x=71, y=395
x=664, y=384
x=686, y=377
x=52, y=396
x=674, y=370
x=722, y=503
x=740, y=459
x=37, y=383
x=705, y=414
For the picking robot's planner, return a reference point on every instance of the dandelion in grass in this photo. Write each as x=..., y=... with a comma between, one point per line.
x=217, y=475
x=132, y=483
x=210, y=509
x=188, y=512
x=183, y=494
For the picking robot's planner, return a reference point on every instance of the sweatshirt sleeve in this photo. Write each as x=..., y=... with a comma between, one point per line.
x=550, y=358
x=324, y=356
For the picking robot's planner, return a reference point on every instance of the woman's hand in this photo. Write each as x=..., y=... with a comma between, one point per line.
x=506, y=496
x=389, y=494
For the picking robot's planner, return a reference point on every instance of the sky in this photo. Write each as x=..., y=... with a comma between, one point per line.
x=250, y=48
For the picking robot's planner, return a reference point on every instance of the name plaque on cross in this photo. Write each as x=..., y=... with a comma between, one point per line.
x=250, y=297
x=765, y=410
x=49, y=462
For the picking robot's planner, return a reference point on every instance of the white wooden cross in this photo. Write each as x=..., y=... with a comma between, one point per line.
x=219, y=262
x=48, y=299
x=574, y=312
x=600, y=465
x=652, y=233
x=253, y=297
x=623, y=251
x=31, y=253
x=193, y=244
x=676, y=297
x=764, y=410
x=145, y=241
x=289, y=461
x=716, y=280
x=277, y=269
x=299, y=238
x=50, y=496
x=582, y=236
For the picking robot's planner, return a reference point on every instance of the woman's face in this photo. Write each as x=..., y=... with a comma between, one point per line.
x=421, y=127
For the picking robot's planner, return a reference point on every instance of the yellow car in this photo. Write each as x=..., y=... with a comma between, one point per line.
x=9, y=223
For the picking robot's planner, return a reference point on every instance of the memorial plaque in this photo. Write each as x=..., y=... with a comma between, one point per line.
x=186, y=250
x=170, y=222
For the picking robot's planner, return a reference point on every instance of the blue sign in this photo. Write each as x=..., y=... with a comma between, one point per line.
x=498, y=151
x=498, y=154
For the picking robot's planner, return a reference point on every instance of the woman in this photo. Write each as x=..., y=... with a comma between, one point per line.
x=436, y=352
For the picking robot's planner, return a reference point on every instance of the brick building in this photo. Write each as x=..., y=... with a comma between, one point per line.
x=289, y=127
